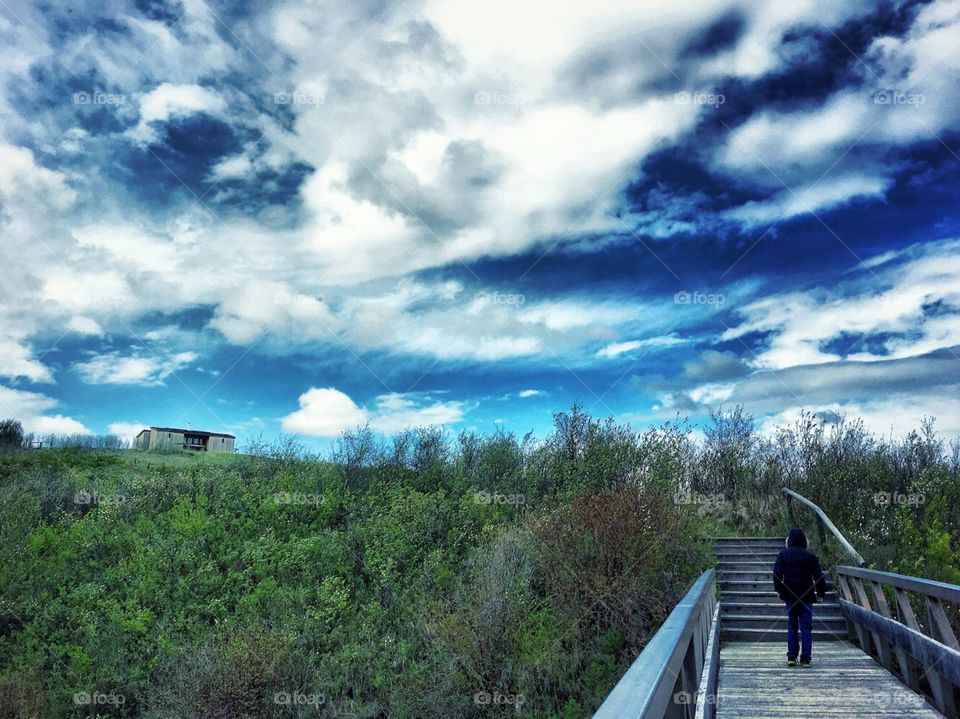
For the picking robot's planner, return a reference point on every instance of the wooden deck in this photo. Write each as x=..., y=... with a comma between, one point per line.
x=756, y=683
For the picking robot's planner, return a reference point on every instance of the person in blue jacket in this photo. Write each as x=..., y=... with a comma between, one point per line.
x=799, y=581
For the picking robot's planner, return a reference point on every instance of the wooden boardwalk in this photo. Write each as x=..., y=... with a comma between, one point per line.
x=756, y=683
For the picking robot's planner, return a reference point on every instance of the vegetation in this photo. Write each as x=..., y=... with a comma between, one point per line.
x=419, y=576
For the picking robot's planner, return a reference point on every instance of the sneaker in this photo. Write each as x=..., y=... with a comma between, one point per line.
x=791, y=662
x=805, y=664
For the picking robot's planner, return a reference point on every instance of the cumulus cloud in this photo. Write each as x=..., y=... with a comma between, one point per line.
x=126, y=431
x=326, y=412
x=33, y=410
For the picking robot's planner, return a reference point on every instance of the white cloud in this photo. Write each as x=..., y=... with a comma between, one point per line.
x=889, y=299
x=396, y=411
x=127, y=431
x=84, y=326
x=524, y=393
x=17, y=360
x=616, y=349
x=138, y=369
x=324, y=412
x=327, y=412
x=886, y=416
x=263, y=306
x=32, y=409
x=826, y=194
x=908, y=94
x=169, y=100
x=23, y=181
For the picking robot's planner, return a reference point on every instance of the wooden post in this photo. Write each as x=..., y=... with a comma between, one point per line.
x=883, y=651
x=907, y=676
x=941, y=631
x=848, y=595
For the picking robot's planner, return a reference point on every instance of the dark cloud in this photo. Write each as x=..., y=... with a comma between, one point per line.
x=722, y=34
x=713, y=366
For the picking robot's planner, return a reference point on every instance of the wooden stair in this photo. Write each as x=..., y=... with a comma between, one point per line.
x=750, y=609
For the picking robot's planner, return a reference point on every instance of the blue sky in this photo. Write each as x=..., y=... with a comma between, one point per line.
x=304, y=216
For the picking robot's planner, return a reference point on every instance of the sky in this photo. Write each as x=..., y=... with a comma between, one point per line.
x=302, y=216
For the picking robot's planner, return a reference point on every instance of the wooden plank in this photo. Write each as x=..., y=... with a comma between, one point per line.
x=754, y=681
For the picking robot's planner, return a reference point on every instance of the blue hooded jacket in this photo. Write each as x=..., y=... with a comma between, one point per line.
x=797, y=574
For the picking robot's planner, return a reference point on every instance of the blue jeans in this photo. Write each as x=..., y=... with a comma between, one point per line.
x=799, y=621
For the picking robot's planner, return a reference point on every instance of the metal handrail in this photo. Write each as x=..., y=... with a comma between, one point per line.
x=878, y=631
x=664, y=678
x=825, y=521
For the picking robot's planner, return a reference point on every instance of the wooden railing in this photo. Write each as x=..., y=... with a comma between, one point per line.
x=824, y=523
x=928, y=652
x=665, y=680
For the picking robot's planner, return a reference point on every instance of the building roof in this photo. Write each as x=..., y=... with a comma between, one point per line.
x=196, y=432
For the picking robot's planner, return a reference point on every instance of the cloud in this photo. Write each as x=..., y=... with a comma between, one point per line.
x=137, y=369
x=324, y=412
x=23, y=181
x=127, y=431
x=32, y=409
x=263, y=306
x=168, y=101
x=327, y=412
x=85, y=326
x=525, y=393
x=906, y=95
x=892, y=300
x=17, y=360
x=618, y=348
x=826, y=194
x=396, y=411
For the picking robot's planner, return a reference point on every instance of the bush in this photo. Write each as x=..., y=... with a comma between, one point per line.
x=11, y=434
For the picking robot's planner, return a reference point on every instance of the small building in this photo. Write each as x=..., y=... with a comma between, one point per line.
x=192, y=439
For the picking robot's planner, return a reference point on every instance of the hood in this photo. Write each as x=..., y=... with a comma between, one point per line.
x=797, y=538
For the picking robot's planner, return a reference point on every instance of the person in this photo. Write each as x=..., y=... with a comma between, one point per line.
x=799, y=581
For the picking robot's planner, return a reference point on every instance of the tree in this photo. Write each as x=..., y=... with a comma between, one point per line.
x=11, y=434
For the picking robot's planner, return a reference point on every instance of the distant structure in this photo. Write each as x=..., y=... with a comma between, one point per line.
x=192, y=439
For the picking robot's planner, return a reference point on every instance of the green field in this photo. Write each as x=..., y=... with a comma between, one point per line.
x=419, y=576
